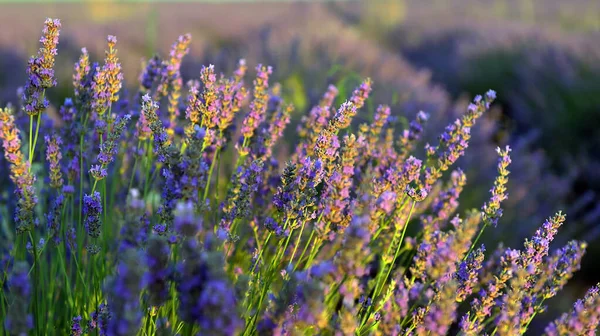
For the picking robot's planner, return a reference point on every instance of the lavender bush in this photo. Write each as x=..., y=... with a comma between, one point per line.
x=128, y=227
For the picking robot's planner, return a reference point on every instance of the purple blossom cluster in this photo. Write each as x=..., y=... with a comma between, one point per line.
x=194, y=225
x=40, y=70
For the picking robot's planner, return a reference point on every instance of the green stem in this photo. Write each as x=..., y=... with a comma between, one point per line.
x=37, y=133
x=310, y=238
x=35, y=300
x=30, y=139
x=33, y=142
x=412, y=208
x=475, y=242
x=260, y=253
x=210, y=171
x=297, y=242
x=378, y=288
x=537, y=309
x=135, y=161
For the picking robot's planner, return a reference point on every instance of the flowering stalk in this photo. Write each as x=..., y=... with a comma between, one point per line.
x=40, y=73
x=491, y=211
x=583, y=319
x=53, y=155
x=258, y=107
x=170, y=76
x=320, y=245
x=108, y=150
x=20, y=172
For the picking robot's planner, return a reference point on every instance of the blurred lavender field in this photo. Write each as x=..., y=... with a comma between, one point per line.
x=542, y=57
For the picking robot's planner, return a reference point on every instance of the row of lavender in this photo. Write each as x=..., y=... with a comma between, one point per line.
x=129, y=227
x=306, y=61
x=548, y=83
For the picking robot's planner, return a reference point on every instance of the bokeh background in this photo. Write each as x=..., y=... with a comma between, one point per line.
x=542, y=57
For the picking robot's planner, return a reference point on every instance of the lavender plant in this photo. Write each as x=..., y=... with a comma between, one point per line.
x=133, y=229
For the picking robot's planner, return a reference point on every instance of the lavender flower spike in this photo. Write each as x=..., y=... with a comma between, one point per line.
x=582, y=320
x=40, y=70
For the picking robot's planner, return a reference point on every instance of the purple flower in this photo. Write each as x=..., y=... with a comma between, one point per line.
x=467, y=274
x=40, y=70
x=71, y=238
x=158, y=273
x=186, y=222
x=411, y=135
x=387, y=201
x=170, y=73
x=360, y=94
x=441, y=312
x=258, y=106
x=53, y=218
x=327, y=143
x=583, y=319
x=315, y=122
x=136, y=224
x=239, y=197
x=492, y=211
x=19, y=172
x=454, y=141
x=559, y=268
x=92, y=209
x=99, y=319
x=205, y=295
x=445, y=203
x=151, y=123
x=150, y=74
x=76, y=329
x=108, y=149
x=272, y=225
x=537, y=248
x=18, y=321
x=299, y=302
x=98, y=173
x=123, y=292
x=80, y=75
x=67, y=111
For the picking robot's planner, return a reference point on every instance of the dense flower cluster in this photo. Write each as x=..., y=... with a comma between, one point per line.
x=20, y=171
x=54, y=155
x=193, y=225
x=107, y=79
x=40, y=70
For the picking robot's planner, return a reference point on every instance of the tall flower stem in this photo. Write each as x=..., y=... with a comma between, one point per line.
x=33, y=142
x=210, y=172
x=380, y=284
x=475, y=242
x=297, y=242
x=310, y=238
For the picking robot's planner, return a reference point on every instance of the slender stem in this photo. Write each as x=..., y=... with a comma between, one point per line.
x=412, y=208
x=30, y=139
x=241, y=157
x=210, y=171
x=80, y=221
x=37, y=133
x=310, y=238
x=36, y=302
x=94, y=187
x=378, y=288
x=260, y=253
x=297, y=242
x=135, y=161
x=537, y=309
x=475, y=242
x=132, y=174
x=313, y=252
